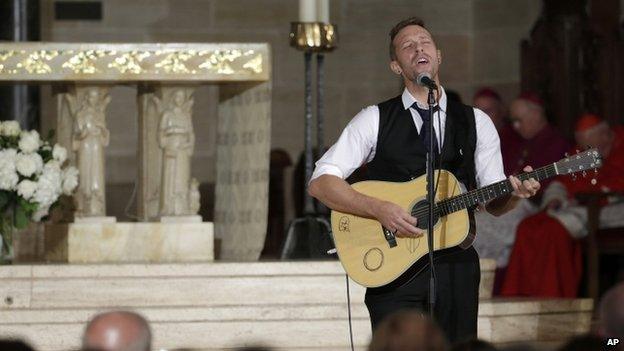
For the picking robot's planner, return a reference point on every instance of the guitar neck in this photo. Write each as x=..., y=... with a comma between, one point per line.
x=490, y=192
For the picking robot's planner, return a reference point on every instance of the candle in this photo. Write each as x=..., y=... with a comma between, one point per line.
x=307, y=10
x=322, y=11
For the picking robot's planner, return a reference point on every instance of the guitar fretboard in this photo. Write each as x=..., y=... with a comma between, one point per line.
x=490, y=192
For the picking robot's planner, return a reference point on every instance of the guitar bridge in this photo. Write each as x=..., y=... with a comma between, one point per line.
x=390, y=238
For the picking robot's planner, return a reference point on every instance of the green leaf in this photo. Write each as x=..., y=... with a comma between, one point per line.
x=46, y=155
x=4, y=199
x=29, y=207
x=21, y=217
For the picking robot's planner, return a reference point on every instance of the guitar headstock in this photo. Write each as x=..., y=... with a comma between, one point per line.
x=582, y=161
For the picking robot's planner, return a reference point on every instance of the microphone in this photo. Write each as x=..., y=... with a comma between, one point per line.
x=425, y=80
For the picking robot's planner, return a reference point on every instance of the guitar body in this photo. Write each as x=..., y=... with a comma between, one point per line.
x=376, y=260
x=368, y=257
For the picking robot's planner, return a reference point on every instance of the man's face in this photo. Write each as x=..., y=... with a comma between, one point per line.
x=492, y=108
x=526, y=118
x=600, y=137
x=416, y=53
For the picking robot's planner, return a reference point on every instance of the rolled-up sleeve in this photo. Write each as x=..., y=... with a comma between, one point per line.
x=488, y=158
x=355, y=146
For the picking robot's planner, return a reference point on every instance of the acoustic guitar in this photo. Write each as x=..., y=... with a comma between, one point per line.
x=373, y=257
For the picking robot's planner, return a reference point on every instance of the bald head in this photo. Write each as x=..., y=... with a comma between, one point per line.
x=599, y=136
x=117, y=331
x=528, y=117
x=612, y=312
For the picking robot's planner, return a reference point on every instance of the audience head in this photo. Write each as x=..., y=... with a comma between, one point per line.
x=584, y=343
x=592, y=131
x=14, y=345
x=488, y=101
x=611, y=311
x=474, y=345
x=527, y=115
x=408, y=330
x=117, y=331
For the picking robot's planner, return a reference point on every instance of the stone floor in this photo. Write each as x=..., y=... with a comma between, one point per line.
x=290, y=305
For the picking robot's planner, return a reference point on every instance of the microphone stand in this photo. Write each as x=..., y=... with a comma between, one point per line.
x=431, y=200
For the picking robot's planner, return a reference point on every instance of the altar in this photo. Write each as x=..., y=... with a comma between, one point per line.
x=165, y=77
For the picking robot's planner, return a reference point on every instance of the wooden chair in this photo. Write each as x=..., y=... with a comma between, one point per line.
x=599, y=241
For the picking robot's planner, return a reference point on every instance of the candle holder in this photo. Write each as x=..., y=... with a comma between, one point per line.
x=313, y=36
x=309, y=236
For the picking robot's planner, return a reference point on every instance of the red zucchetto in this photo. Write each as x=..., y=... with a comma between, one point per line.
x=587, y=121
x=487, y=92
x=531, y=97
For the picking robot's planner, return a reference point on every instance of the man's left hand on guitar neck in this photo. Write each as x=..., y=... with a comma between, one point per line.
x=522, y=190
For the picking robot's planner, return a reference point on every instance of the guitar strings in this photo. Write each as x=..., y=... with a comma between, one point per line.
x=475, y=194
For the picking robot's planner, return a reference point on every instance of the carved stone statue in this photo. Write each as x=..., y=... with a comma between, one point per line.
x=176, y=139
x=194, y=197
x=89, y=138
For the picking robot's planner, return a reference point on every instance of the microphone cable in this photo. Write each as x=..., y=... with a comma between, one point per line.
x=349, y=312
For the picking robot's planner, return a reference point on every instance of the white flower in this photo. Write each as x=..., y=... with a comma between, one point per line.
x=8, y=176
x=59, y=153
x=45, y=146
x=8, y=180
x=7, y=159
x=49, y=185
x=28, y=164
x=26, y=189
x=10, y=128
x=70, y=180
x=29, y=141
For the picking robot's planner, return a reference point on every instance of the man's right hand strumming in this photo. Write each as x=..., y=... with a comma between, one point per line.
x=336, y=194
x=394, y=218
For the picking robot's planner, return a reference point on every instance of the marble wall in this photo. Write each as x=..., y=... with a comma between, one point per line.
x=479, y=40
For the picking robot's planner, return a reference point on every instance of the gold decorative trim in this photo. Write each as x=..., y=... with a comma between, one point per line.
x=58, y=61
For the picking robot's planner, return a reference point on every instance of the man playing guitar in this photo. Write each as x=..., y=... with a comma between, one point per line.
x=389, y=137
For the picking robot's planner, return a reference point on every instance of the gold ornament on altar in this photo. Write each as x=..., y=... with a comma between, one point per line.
x=138, y=61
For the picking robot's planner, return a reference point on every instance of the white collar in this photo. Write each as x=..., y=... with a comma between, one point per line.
x=408, y=100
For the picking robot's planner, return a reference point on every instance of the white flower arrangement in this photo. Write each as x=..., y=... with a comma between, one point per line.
x=32, y=178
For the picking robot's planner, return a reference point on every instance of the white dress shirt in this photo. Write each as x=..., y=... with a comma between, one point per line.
x=358, y=142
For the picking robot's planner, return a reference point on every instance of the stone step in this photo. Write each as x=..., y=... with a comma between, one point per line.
x=291, y=305
x=197, y=284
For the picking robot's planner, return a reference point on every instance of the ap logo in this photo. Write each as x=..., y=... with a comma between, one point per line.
x=613, y=342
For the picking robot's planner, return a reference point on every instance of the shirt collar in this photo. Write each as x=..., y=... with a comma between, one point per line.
x=408, y=100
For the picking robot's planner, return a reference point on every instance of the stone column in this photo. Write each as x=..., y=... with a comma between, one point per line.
x=82, y=129
x=166, y=142
x=243, y=143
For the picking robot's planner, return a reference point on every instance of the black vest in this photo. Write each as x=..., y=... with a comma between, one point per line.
x=401, y=156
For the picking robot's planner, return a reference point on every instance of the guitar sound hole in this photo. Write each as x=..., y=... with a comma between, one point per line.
x=421, y=212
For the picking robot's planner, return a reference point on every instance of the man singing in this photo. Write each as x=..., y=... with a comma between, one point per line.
x=392, y=139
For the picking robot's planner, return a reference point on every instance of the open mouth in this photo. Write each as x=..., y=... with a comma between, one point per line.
x=422, y=61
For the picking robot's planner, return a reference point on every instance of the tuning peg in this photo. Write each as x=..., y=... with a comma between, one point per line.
x=574, y=176
x=594, y=181
x=566, y=154
x=584, y=174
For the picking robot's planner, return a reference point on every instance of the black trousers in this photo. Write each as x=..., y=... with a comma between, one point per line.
x=457, y=296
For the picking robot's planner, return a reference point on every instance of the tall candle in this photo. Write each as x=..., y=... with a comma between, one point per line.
x=307, y=10
x=322, y=14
